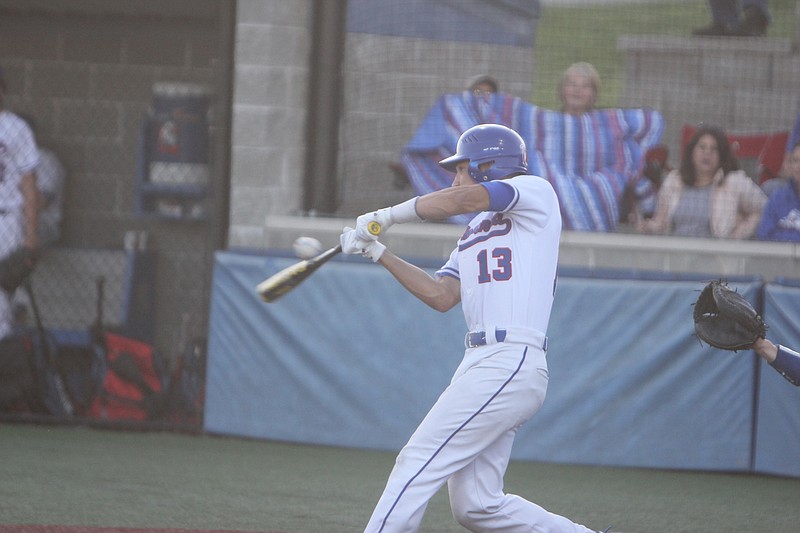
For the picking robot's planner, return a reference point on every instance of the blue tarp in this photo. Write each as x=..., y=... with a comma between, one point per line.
x=350, y=359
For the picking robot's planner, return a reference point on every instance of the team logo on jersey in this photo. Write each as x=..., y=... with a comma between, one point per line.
x=492, y=226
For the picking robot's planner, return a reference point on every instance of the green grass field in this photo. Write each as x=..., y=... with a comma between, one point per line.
x=77, y=476
x=569, y=34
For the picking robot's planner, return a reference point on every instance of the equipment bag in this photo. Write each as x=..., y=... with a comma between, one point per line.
x=134, y=384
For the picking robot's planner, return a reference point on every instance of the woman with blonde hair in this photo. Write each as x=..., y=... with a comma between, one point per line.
x=579, y=88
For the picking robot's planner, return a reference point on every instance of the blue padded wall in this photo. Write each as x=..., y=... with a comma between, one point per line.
x=630, y=385
x=778, y=430
x=349, y=358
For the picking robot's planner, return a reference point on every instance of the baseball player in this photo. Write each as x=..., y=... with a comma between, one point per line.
x=18, y=194
x=503, y=271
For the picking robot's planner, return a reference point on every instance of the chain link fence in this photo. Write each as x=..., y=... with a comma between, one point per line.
x=132, y=99
x=123, y=98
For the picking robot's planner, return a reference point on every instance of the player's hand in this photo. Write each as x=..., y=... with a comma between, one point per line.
x=351, y=244
x=366, y=228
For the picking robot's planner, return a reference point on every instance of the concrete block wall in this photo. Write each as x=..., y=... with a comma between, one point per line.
x=742, y=85
x=87, y=80
x=85, y=71
x=270, y=91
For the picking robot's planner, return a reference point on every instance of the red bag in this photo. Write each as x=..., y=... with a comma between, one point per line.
x=132, y=388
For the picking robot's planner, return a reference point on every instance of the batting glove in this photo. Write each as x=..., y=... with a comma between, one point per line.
x=380, y=220
x=351, y=244
x=366, y=228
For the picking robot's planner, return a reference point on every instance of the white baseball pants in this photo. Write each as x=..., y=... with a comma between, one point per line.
x=465, y=440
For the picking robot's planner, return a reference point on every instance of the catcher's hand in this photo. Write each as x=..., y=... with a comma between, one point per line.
x=15, y=267
x=724, y=319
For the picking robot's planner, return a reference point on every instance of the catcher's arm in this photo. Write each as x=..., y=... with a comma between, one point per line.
x=785, y=361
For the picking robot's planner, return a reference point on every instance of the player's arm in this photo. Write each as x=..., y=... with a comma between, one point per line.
x=443, y=204
x=437, y=205
x=440, y=293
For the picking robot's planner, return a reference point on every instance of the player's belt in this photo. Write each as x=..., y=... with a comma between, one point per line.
x=473, y=339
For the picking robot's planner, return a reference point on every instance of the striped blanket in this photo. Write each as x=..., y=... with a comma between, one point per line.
x=589, y=159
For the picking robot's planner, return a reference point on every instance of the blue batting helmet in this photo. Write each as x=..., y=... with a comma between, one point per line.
x=489, y=143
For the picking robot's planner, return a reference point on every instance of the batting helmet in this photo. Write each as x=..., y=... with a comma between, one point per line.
x=489, y=143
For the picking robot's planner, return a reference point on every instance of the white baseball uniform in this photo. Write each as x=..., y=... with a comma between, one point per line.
x=506, y=262
x=18, y=156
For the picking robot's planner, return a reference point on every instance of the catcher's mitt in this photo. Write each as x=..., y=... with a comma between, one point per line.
x=724, y=319
x=15, y=267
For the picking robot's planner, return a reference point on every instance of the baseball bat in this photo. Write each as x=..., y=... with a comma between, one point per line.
x=64, y=400
x=290, y=277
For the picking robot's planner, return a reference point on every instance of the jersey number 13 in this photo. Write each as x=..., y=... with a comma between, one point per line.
x=497, y=267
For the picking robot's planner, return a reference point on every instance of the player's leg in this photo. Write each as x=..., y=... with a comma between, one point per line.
x=495, y=390
x=479, y=502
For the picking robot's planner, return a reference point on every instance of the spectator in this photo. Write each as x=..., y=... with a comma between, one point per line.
x=579, y=88
x=794, y=138
x=18, y=194
x=736, y=18
x=578, y=91
x=780, y=220
x=482, y=85
x=50, y=182
x=708, y=196
x=784, y=360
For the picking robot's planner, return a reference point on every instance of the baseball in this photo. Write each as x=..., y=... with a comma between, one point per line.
x=307, y=247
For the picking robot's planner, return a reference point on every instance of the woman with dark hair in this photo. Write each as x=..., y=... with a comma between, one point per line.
x=708, y=195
